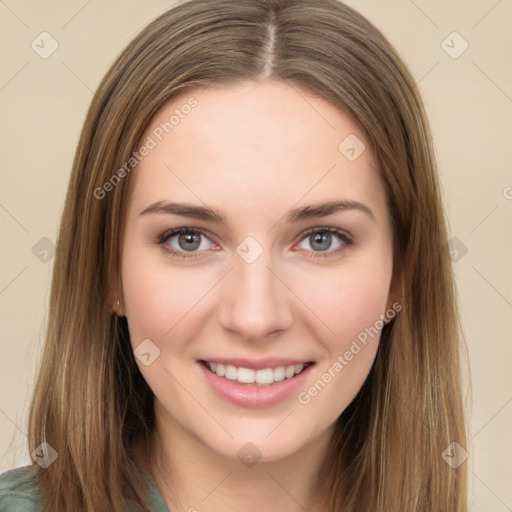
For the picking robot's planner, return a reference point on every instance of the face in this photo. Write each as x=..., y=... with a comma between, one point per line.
x=258, y=280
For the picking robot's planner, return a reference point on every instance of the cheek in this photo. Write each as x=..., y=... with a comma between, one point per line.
x=156, y=299
x=159, y=306
x=350, y=305
x=347, y=301
x=356, y=304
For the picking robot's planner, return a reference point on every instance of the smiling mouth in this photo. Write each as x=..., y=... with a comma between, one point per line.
x=261, y=377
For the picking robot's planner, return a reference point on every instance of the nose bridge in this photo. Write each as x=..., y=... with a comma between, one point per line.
x=255, y=303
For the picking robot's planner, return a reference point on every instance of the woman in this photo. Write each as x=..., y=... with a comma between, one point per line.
x=252, y=301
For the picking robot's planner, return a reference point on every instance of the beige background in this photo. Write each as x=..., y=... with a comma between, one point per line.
x=469, y=102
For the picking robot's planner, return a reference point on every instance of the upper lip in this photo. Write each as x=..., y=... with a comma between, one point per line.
x=256, y=364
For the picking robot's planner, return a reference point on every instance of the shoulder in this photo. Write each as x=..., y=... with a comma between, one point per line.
x=19, y=491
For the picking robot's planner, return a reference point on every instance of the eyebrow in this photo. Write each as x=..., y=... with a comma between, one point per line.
x=296, y=215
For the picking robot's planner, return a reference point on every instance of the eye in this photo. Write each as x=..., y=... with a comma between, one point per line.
x=320, y=240
x=181, y=241
x=191, y=242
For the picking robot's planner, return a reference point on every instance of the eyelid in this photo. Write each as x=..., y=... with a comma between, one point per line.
x=345, y=237
x=342, y=234
x=166, y=235
x=326, y=229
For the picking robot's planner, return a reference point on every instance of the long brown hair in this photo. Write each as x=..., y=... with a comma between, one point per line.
x=91, y=403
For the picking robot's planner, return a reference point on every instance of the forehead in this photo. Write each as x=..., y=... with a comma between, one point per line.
x=260, y=145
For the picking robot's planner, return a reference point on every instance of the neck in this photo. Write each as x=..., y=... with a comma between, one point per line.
x=191, y=477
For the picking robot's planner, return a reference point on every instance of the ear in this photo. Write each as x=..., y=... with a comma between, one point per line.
x=395, y=287
x=114, y=292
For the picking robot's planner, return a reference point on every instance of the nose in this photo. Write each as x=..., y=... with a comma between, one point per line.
x=254, y=300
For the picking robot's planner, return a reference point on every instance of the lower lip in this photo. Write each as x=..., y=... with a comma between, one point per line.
x=252, y=395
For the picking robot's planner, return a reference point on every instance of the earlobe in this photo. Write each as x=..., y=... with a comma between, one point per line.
x=395, y=289
x=119, y=309
x=114, y=292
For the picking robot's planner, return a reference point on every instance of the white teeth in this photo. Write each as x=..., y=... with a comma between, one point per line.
x=279, y=373
x=263, y=377
x=231, y=372
x=245, y=375
x=289, y=372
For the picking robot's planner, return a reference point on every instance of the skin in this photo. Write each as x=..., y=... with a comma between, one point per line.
x=252, y=152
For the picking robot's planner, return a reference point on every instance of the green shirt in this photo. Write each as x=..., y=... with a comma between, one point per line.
x=19, y=491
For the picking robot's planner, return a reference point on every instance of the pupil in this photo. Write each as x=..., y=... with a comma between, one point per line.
x=186, y=239
x=322, y=237
x=190, y=242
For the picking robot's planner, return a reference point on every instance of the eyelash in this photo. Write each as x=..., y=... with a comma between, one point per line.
x=343, y=236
